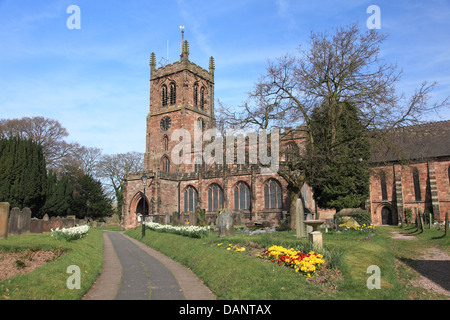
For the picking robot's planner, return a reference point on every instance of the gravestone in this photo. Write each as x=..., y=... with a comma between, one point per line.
x=175, y=218
x=36, y=225
x=167, y=218
x=45, y=218
x=4, y=214
x=226, y=223
x=193, y=218
x=19, y=221
x=239, y=219
x=299, y=218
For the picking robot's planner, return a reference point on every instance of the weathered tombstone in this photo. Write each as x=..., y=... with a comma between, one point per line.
x=299, y=217
x=45, y=217
x=4, y=214
x=239, y=218
x=36, y=225
x=193, y=218
x=226, y=223
x=167, y=218
x=25, y=219
x=175, y=218
x=13, y=224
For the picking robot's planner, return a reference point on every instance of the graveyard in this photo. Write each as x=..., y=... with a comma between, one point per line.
x=229, y=258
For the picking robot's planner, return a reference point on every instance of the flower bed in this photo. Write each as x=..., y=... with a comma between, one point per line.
x=70, y=234
x=357, y=228
x=306, y=264
x=189, y=231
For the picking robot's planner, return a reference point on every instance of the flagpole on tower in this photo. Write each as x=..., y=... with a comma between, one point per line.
x=182, y=40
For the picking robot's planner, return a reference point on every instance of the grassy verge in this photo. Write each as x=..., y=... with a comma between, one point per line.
x=407, y=251
x=236, y=275
x=49, y=282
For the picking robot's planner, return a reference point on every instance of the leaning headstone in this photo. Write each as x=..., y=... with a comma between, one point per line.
x=299, y=218
x=226, y=223
x=4, y=214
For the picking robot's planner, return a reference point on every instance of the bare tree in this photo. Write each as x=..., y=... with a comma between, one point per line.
x=339, y=68
x=114, y=168
x=48, y=133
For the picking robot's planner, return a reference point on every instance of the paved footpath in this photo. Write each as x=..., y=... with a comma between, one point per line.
x=134, y=271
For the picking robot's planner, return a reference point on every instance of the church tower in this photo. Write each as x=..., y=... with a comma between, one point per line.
x=181, y=97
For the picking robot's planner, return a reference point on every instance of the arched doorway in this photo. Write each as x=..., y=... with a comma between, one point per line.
x=140, y=207
x=386, y=216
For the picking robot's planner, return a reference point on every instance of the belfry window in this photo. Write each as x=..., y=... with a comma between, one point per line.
x=195, y=95
x=202, y=98
x=164, y=95
x=173, y=93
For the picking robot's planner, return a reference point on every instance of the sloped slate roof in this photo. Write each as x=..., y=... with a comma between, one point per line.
x=424, y=141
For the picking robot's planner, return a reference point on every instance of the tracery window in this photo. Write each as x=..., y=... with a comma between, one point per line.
x=195, y=95
x=241, y=196
x=165, y=164
x=173, y=93
x=215, y=197
x=190, y=199
x=164, y=95
x=272, y=195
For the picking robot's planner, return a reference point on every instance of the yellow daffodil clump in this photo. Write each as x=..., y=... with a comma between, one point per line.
x=306, y=264
x=233, y=248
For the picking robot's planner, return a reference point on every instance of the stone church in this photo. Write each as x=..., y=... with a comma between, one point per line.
x=182, y=97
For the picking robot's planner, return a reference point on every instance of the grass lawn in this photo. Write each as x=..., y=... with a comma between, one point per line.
x=237, y=275
x=49, y=282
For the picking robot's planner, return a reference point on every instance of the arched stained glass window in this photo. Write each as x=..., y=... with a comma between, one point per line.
x=272, y=195
x=215, y=197
x=190, y=199
x=241, y=196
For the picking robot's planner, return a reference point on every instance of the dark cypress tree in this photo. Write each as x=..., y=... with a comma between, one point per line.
x=338, y=165
x=23, y=175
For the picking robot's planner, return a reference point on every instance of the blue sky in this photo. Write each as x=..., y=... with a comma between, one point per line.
x=95, y=80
